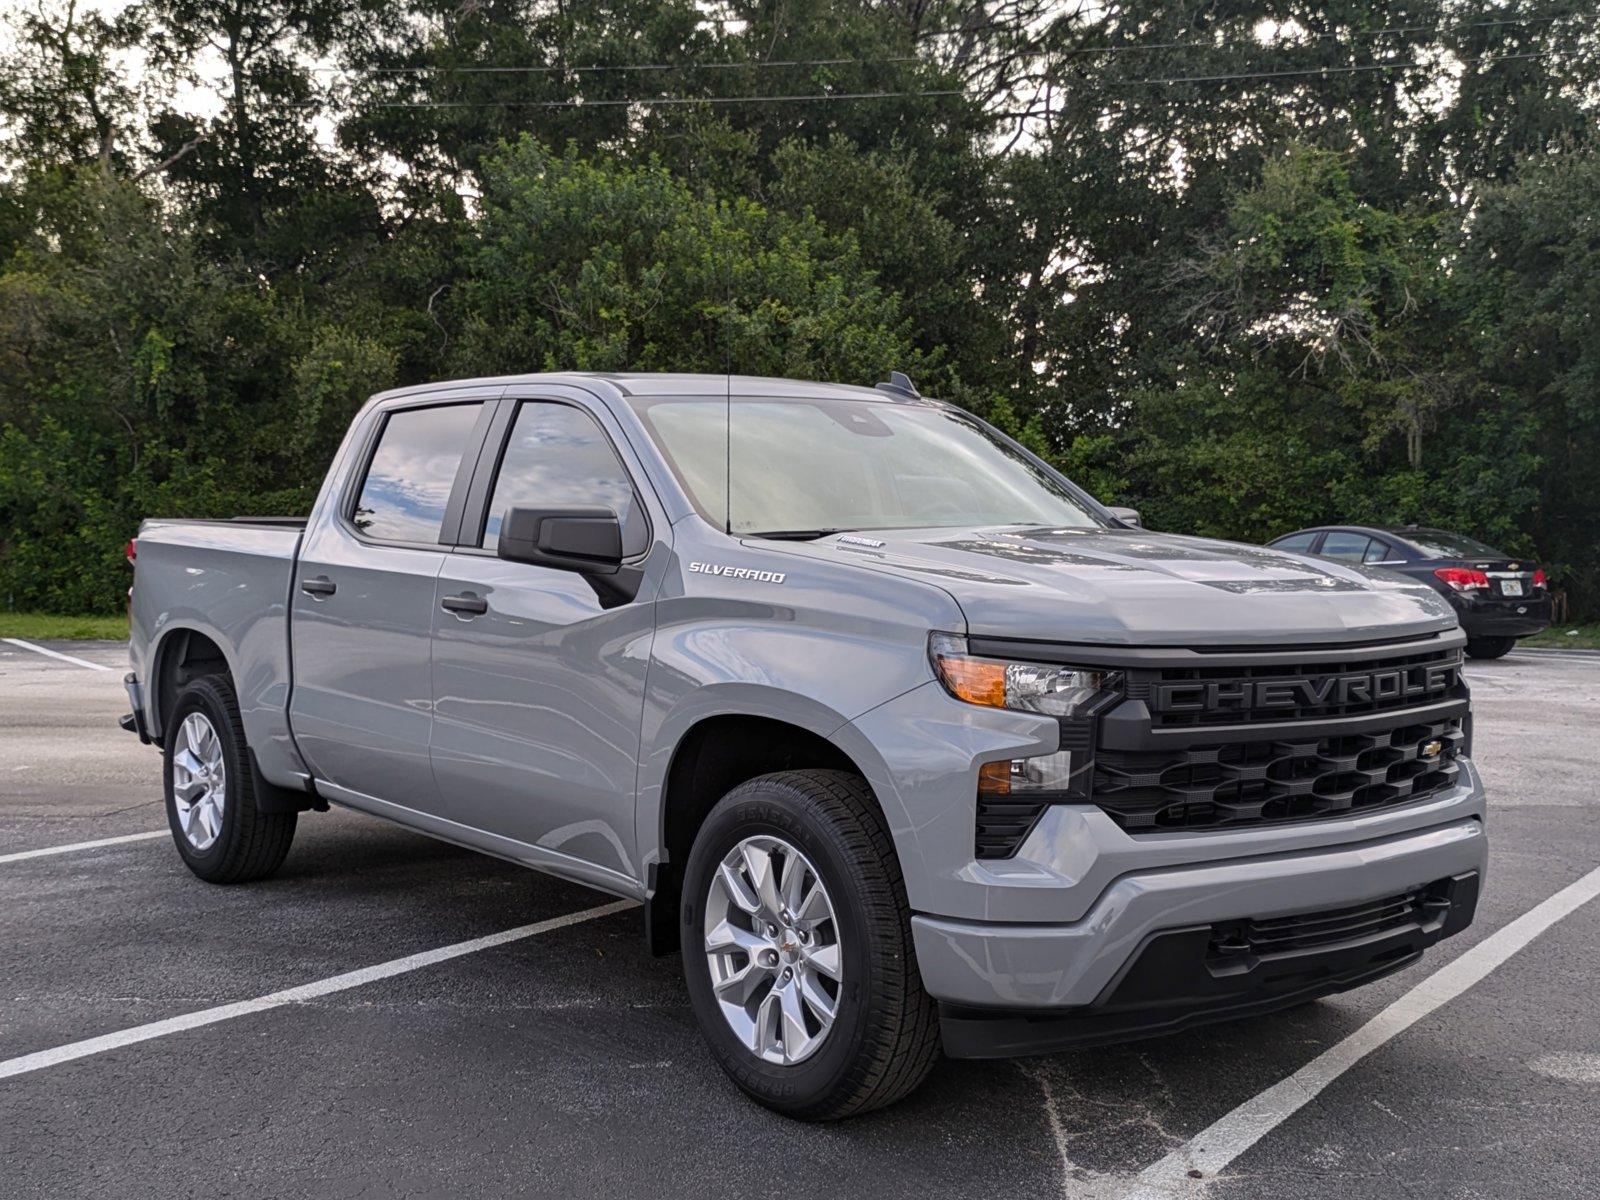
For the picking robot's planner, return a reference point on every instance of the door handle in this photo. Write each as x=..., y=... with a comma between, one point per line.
x=320, y=586
x=465, y=604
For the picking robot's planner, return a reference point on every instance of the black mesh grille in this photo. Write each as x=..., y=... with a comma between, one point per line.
x=1289, y=779
x=1266, y=937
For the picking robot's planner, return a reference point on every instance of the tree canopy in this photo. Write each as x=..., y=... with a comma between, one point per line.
x=1246, y=266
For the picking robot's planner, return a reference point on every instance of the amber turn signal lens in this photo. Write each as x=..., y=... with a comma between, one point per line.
x=994, y=778
x=975, y=681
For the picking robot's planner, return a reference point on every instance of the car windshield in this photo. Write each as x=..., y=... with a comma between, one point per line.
x=803, y=466
x=1436, y=543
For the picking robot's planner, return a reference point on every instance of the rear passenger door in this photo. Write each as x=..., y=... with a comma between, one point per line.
x=538, y=697
x=364, y=595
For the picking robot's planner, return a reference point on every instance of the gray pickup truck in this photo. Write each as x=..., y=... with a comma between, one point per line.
x=905, y=742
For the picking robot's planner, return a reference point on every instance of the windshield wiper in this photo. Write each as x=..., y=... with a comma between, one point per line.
x=795, y=535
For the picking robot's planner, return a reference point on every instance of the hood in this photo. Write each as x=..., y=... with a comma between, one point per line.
x=1136, y=588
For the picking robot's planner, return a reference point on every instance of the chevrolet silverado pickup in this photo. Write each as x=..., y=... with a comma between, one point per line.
x=907, y=744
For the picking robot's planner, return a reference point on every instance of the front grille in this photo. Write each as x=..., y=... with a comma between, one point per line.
x=1186, y=697
x=1287, y=779
x=1265, y=937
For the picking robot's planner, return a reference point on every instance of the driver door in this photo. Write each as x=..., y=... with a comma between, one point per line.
x=538, y=681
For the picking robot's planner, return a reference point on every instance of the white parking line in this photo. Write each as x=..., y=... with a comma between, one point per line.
x=19, y=855
x=77, y=662
x=309, y=991
x=1186, y=1170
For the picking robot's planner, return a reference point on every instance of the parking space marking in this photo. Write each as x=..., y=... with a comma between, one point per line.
x=19, y=855
x=39, y=1060
x=1187, y=1170
x=77, y=662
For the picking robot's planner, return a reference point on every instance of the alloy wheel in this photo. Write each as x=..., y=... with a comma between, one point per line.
x=772, y=947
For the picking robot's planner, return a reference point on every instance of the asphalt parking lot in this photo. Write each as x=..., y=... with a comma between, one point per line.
x=564, y=1060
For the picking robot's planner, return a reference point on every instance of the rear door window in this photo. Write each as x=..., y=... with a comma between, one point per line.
x=1346, y=547
x=557, y=457
x=413, y=470
x=1297, y=543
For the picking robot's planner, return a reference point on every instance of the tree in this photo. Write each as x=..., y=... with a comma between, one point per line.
x=579, y=264
x=61, y=92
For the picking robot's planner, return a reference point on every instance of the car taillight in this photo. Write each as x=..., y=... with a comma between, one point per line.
x=131, y=551
x=1538, y=577
x=1463, y=579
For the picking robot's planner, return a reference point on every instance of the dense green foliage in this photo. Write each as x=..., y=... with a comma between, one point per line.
x=1200, y=254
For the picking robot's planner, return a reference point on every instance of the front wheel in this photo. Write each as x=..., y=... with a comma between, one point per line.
x=1489, y=647
x=797, y=948
x=211, y=802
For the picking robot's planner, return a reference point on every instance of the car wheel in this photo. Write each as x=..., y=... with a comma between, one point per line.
x=211, y=802
x=797, y=948
x=1489, y=647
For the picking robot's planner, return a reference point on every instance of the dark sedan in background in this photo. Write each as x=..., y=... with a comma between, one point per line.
x=1497, y=597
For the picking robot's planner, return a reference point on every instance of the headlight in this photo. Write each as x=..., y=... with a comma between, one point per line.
x=1075, y=696
x=1045, y=688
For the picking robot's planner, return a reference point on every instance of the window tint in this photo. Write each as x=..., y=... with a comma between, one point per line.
x=1296, y=543
x=1346, y=547
x=1380, y=552
x=413, y=469
x=557, y=455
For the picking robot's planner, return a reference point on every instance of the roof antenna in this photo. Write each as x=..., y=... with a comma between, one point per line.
x=727, y=413
x=899, y=384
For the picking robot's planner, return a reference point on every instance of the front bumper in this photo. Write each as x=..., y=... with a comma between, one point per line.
x=991, y=976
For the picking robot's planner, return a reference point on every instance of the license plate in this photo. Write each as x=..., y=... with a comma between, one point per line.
x=1511, y=587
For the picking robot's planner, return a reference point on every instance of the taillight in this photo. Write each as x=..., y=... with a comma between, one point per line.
x=1463, y=579
x=131, y=551
x=1538, y=577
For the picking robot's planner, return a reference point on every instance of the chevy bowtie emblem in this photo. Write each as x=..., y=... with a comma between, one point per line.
x=1432, y=748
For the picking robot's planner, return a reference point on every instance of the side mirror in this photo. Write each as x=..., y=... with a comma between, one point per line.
x=1128, y=516
x=586, y=540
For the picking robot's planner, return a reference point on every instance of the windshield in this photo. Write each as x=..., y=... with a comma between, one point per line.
x=800, y=465
x=1435, y=543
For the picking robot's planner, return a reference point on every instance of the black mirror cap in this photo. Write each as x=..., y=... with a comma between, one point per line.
x=578, y=538
x=1128, y=516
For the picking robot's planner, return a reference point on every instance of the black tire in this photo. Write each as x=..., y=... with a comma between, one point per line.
x=1490, y=647
x=251, y=844
x=885, y=1035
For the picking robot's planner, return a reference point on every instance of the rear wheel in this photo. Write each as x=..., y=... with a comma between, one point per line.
x=211, y=802
x=1489, y=647
x=797, y=948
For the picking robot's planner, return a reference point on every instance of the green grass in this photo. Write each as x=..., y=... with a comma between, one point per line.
x=1586, y=637
x=45, y=626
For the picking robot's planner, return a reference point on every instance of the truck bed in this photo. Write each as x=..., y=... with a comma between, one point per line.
x=227, y=581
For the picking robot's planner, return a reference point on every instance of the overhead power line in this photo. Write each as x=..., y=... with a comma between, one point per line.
x=1320, y=71
x=654, y=100
x=784, y=63
x=1311, y=37
x=1253, y=45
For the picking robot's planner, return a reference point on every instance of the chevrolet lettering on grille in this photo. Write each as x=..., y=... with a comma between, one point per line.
x=1314, y=691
